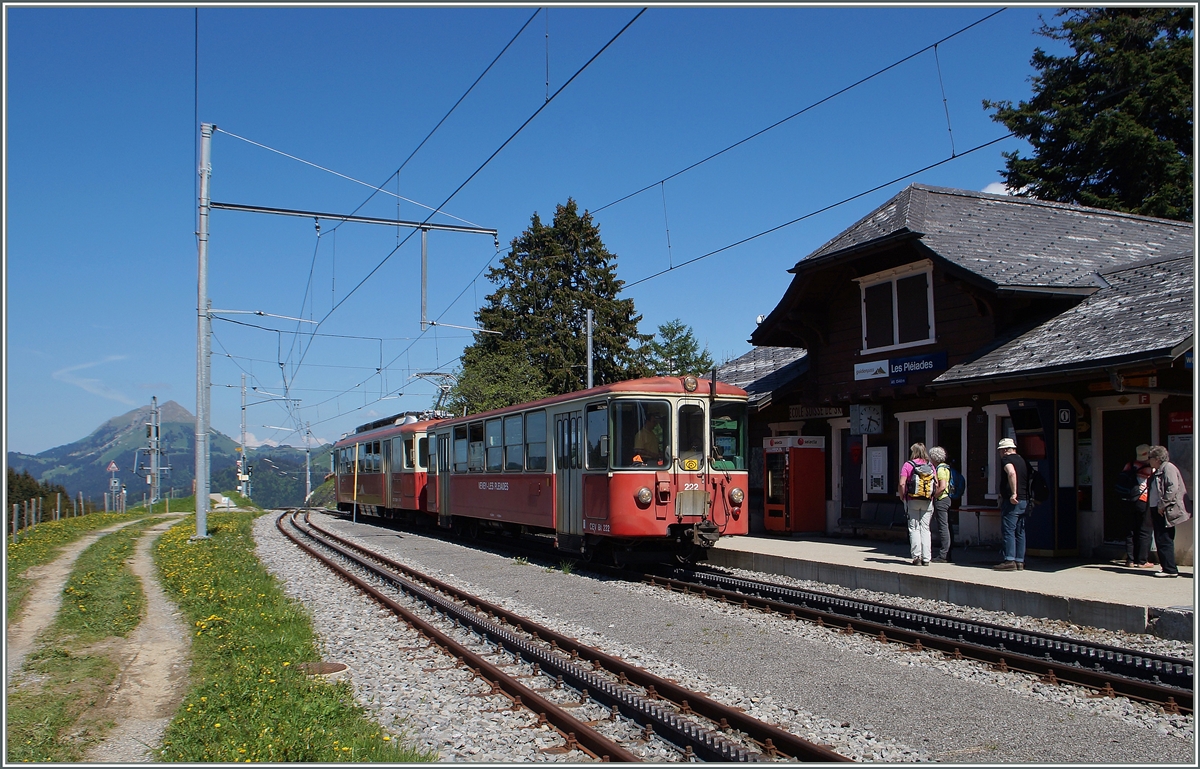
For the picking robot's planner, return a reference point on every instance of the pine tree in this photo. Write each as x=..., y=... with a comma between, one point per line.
x=546, y=283
x=678, y=352
x=1110, y=124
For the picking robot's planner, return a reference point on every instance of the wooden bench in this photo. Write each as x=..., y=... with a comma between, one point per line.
x=876, y=515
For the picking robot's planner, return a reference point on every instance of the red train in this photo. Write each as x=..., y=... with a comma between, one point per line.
x=635, y=470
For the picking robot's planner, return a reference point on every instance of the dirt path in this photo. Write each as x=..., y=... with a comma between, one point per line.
x=153, y=660
x=43, y=601
x=154, y=667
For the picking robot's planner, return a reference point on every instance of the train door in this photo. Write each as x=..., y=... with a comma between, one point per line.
x=443, y=478
x=431, y=480
x=568, y=470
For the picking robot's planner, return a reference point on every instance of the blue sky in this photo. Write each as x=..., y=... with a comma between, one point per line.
x=101, y=151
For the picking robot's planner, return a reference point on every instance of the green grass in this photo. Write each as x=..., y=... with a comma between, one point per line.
x=248, y=701
x=48, y=718
x=42, y=543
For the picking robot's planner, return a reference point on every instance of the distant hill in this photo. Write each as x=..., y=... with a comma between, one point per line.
x=80, y=466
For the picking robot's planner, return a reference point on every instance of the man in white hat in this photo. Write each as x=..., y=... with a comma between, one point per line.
x=1014, y=480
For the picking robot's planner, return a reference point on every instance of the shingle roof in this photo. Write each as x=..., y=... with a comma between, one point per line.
x=1145, y=312
x=1011, y=241
x=764, y=370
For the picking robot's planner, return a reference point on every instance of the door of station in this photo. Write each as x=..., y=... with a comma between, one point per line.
x=795, y=483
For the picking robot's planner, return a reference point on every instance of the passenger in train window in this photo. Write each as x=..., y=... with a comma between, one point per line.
x=647, y=444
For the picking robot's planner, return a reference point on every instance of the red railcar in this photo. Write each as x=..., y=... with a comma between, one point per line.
x=647, y=467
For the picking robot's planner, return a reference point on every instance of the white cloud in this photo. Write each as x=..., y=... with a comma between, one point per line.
x=254, y=442
x=997, y=188
x=94, y=386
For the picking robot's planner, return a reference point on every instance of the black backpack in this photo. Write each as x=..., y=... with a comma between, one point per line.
x=1127, y=486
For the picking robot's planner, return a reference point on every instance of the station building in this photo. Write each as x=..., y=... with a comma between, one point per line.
x=956, y=318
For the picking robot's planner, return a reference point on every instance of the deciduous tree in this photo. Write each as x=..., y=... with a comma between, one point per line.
x=1111, y=123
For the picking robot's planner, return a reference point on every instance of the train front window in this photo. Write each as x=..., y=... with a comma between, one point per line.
x=691, y=437
x=729, y=436
x=641, y=434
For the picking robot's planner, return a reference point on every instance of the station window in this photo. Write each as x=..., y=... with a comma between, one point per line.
x=493, y=438
x=897, y=307
x=535, y=440
x=423, y=452
x=460, y=449
x=475, y=447
x=641, y=433
x=514, y=442
x=597, y=436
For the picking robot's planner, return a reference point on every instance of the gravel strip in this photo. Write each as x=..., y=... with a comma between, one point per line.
x=866, y=700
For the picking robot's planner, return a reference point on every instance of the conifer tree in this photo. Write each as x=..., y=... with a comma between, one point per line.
x=675, y=351
x=544, y=286
x=1111, y=123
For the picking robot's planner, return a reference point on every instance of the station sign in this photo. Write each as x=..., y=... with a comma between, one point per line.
x=900, y=368
x=794, y=442
x=814, y=412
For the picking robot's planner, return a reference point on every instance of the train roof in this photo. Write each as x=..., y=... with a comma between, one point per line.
x=659, y=385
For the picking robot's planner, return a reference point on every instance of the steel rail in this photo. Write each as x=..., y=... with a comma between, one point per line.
x=586, y=736
x=1172, y=699
x=1142, y=666
x=772, y=739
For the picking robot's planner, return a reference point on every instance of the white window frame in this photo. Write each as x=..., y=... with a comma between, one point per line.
x=995, y=412
x=930, y=418
x=891, y=276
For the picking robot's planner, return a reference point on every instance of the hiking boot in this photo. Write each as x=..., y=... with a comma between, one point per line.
x=1020, y=566
x=916, y=562
x=924, y=563
x=939, y=560
x=1006, y=566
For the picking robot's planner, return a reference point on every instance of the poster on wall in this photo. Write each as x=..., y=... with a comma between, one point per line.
x=877, y=470
x=1083, y=462
x=1180, y=449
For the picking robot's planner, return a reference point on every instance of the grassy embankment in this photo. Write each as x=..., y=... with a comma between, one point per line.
x=248, y=699
x=72, y=668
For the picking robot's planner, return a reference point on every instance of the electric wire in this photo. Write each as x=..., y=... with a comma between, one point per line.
x=778, y=123
x=811, y=214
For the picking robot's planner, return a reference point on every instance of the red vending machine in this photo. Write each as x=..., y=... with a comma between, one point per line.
x=795, y=483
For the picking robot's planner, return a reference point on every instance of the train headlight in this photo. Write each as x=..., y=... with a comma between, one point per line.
x=736, y=496
x=643, y=496
x=689, y=383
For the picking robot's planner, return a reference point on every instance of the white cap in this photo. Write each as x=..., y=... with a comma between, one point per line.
x=1006, y=443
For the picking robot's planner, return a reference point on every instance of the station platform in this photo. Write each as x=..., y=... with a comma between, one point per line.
x=1091, y=592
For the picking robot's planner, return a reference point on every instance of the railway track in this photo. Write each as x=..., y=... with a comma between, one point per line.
x=1107, y=670
x=557, y=674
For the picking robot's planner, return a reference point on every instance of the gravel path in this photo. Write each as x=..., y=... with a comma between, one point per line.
x=868, y=701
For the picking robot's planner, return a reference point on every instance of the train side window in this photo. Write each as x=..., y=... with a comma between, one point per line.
x=475, y=447
x=422, y=452
x=460, y=449
x=535, y=440
x=493, y=438
x=378, y=464
x=397, y=451
x=597, y=436
x=729, y=436
x=514, y=442
x=429, y=458
x=360, y=454
x=409, y=459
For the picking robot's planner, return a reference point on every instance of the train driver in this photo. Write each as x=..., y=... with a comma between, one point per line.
x=647, y=444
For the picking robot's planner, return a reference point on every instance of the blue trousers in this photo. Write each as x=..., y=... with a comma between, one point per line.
x=1012, y=526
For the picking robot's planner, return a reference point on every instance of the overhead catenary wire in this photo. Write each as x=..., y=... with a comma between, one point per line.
x=811, y=214
x=796, y=114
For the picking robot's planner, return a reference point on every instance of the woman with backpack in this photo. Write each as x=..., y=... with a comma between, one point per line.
x=917, y=483
x=941, y=503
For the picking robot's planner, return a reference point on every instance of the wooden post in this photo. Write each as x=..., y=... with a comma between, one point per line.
x=57, y=504
x=16, y=508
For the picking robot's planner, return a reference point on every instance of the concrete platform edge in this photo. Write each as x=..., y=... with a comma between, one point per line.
x=1099, y=614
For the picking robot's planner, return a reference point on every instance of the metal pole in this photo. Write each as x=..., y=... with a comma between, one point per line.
x=155, y=446
x=57, y=504
x=424, y=274
x=307, y=464
x=203, y=328
x=242, y=486
x=354, y=497
x=589, y=347
x=16, y=508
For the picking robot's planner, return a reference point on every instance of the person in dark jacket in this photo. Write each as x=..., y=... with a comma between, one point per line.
x=1137, y=541
x=1014, y=497
x=1168, y=508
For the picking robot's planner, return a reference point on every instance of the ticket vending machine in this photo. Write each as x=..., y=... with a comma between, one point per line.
x=794, y=475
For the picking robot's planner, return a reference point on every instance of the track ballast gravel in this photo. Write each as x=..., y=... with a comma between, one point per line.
x=867, y=700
